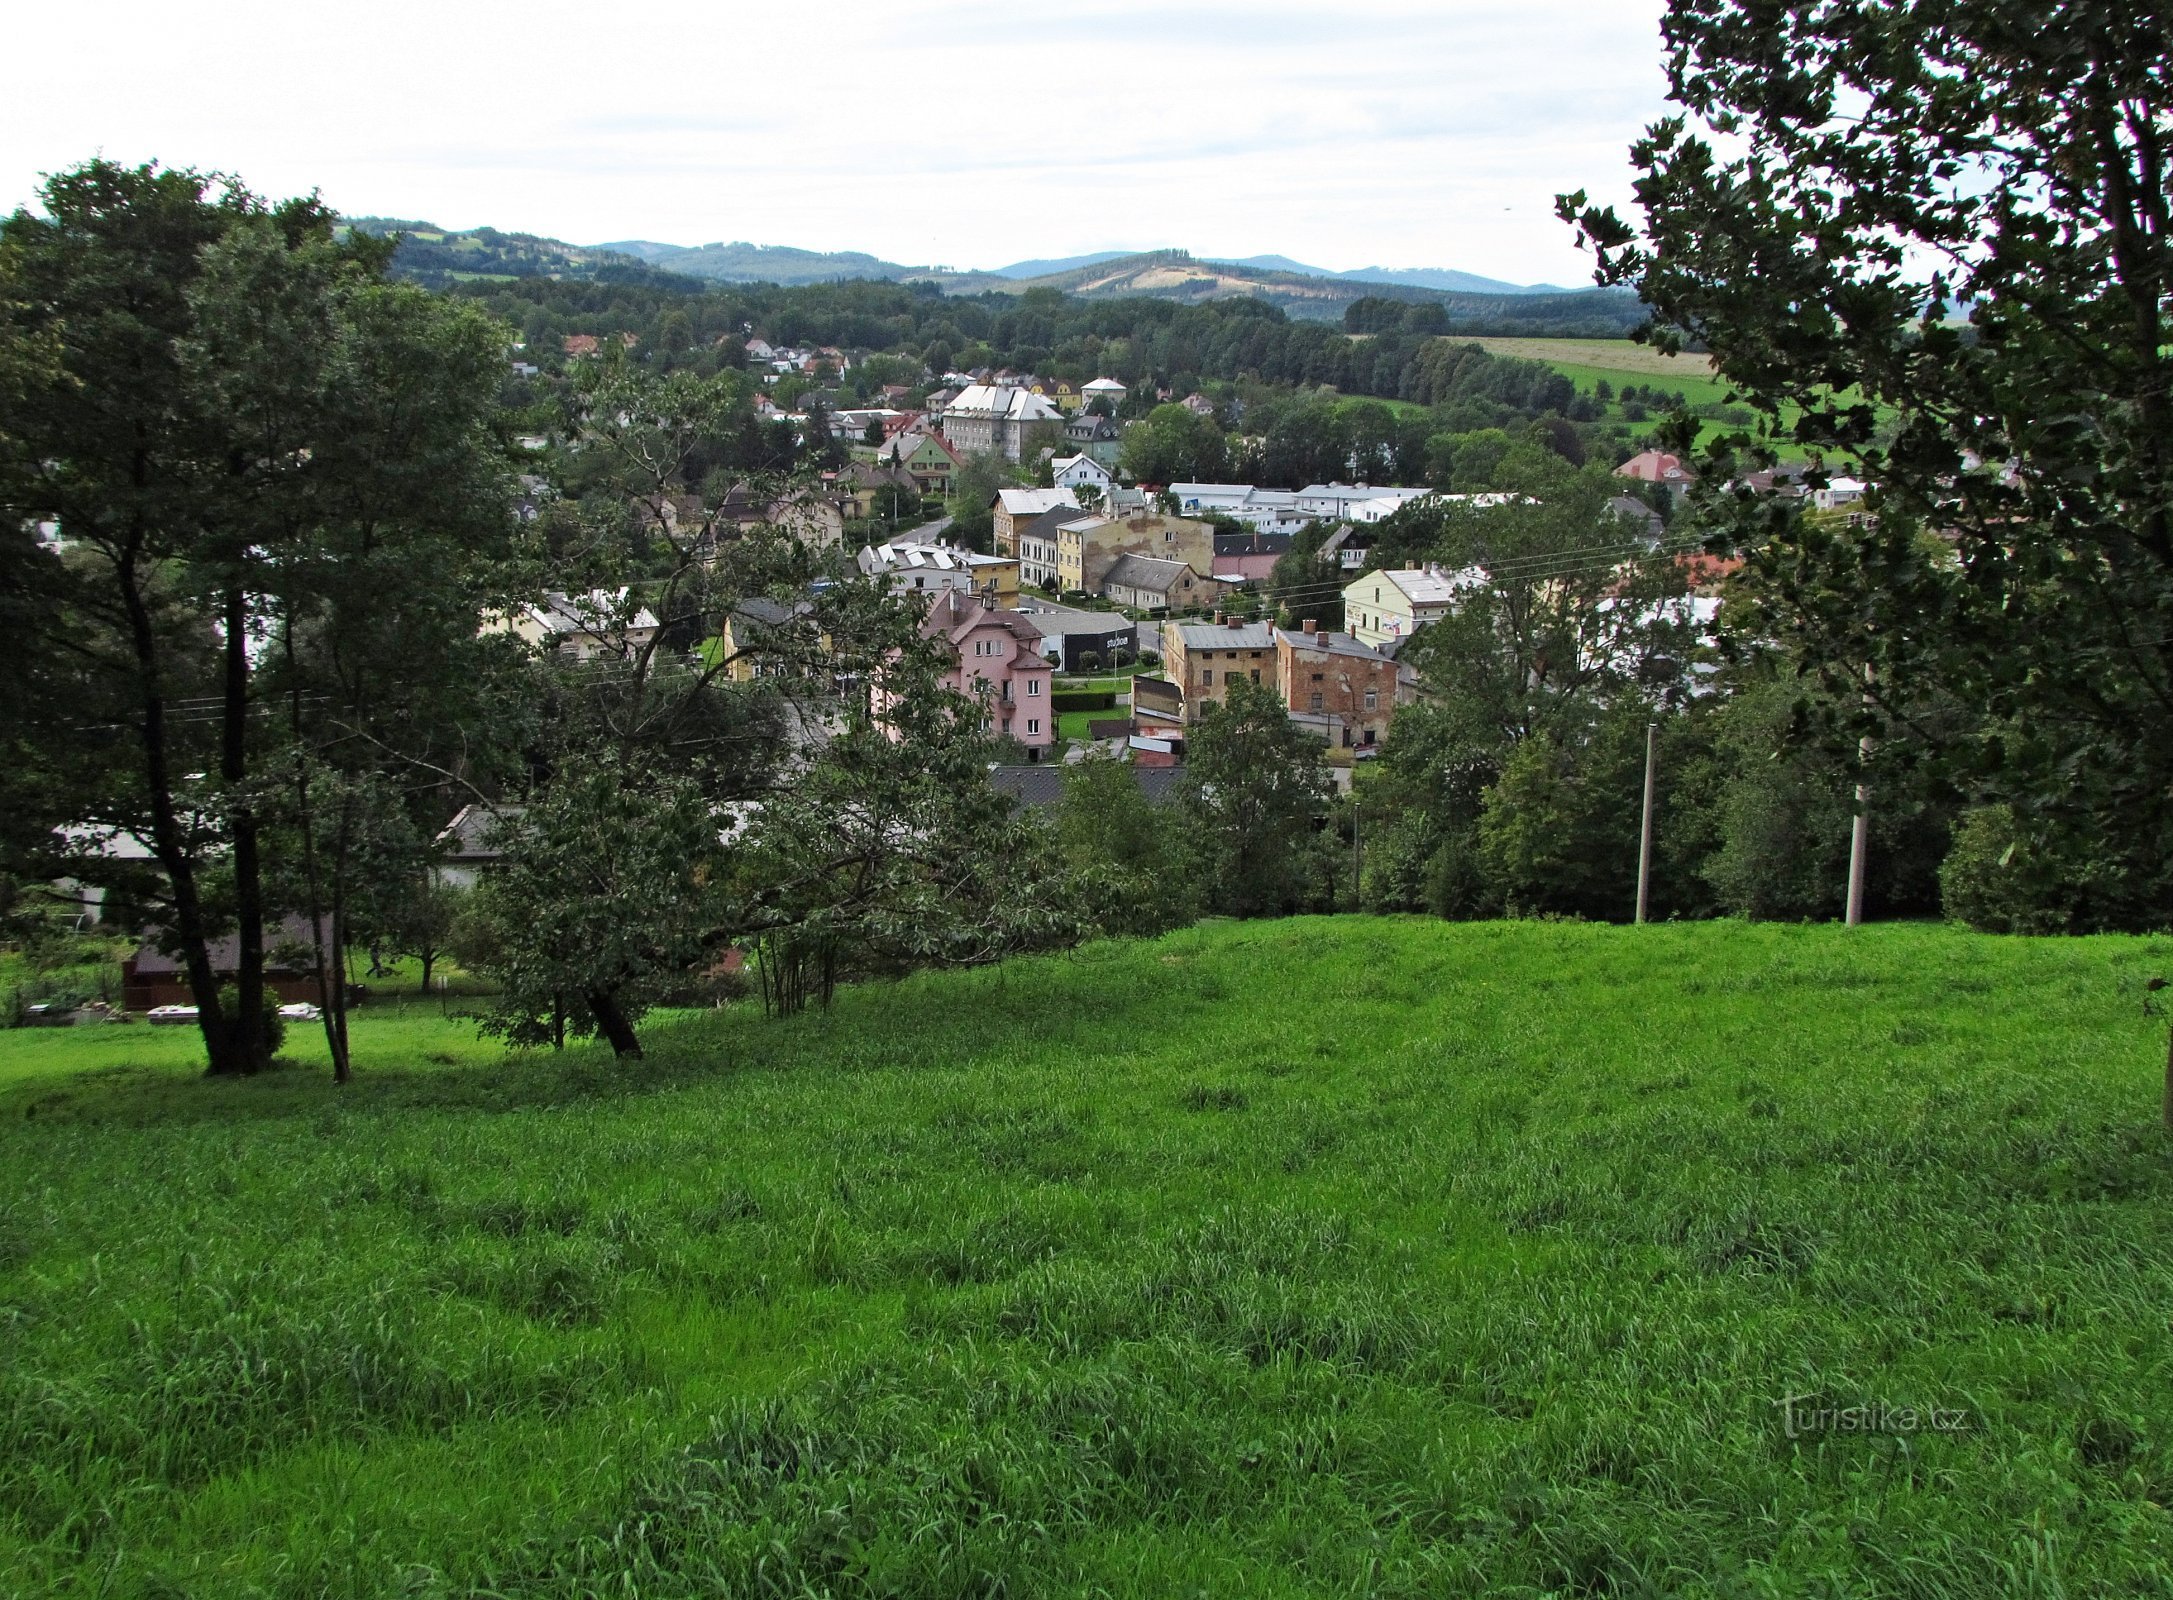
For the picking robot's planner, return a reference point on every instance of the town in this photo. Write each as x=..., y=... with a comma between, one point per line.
x=1386, y=816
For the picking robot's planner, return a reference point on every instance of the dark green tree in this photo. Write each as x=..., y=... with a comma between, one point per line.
x=1931, y=245
x=1254, y=795
x=212, y=400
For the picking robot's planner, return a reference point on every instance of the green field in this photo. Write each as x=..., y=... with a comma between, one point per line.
x=408, y=1033
x=1321, y=1257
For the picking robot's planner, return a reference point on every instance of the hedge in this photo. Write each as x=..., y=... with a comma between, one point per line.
x=1084, y=699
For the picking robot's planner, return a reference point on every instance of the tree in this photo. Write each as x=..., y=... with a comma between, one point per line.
x=1930, y=244
x=973, y=493
x=217, y=403
x=1254, y=795
x=1132, y=873
x=1172, y=445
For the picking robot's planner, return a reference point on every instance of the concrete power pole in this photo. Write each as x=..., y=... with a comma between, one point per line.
x=1859, y=837
x=1644, y=841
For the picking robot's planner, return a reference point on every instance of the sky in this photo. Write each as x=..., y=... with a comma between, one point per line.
x=956, y=133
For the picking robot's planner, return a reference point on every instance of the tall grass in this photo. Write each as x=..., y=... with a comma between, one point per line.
x=1325, y=1256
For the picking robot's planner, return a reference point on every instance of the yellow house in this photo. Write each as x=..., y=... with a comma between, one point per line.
x=1089, y=546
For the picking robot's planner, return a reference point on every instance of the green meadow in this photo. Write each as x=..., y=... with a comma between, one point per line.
x=1323, y=1257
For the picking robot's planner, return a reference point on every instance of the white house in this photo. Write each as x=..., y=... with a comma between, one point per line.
x=1839, y=494
x=1103, y=389
x=914, y=567
x=599, y=623
x=1082, y=472
x=1385, y=606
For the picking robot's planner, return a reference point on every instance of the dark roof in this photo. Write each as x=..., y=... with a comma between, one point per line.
x=1043, y=784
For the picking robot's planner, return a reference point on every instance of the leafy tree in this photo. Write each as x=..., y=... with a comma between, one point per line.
x=1254, y=795
x=221, y=409
x=1930, y=244
x=973, y=492
x=1172, y=445
x=1133, y=875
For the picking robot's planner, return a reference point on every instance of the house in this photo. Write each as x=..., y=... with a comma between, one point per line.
x=581, y=344
x=1082, y=474
x=1340, y=688
x=1348, y=548
x=1381, y=607
x=924, y=568
x=987, y=418
x=1082, y=641
x=815, y=519
x=467, y=845
x=1245, y=568
x=928, y=456
x=1087, y=433
x=1012, y=507
x=880, y=490
x=151, y=977
x=584, y=627
x=526, y=369
x=1103, y=389
x=1148, y=583
x=1644, y=522
x=1202, y=659
x=1658, y=467
x=1198, y=404
x=1839, y=494
x=996, y=659
x=757, y=636
x=1087, y=547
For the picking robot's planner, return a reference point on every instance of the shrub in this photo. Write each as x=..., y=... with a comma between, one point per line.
x=1991, y=880
x=1083, y=700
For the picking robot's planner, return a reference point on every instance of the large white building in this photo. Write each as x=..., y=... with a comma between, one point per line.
x=1355, y=502
x=987, y=417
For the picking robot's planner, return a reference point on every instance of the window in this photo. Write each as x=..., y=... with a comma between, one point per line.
x=1316, y=699
x=1033, y=724
x=1256, y=674
x=1033, y=688
x=1207, y=678
x=1373, y=699
x=1316, y=677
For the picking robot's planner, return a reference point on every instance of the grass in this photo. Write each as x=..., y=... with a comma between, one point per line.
x=1316, y=1257
x=399, y=1033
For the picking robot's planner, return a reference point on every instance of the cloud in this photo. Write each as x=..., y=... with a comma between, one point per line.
x=1372, y=132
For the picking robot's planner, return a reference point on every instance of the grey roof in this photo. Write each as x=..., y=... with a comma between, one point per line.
x=1150, y=573
x=1057, y=621
x=1226, y=636
x=285, y=941
x=471, y=834
x=1043, y=784
x=1334, y=644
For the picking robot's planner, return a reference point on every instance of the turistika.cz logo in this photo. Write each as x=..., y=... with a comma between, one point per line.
x=1803, y=1415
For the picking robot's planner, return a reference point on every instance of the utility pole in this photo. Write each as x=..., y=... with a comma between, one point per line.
x=1860, y=828
x=1644, y=840
x=1356, y=813
x=1859, y=835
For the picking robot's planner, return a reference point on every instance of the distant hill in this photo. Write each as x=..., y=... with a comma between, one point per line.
x=430, y=253
x=1176, y=275
x=1041, y=269
x=433, y=254
x=1404, y=277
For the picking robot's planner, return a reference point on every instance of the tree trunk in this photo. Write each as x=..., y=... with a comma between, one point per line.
x=247, y=1026
x=429, y=959
x=612, y=1024
x=166, y=836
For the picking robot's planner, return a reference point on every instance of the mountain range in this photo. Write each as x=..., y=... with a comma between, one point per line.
x=431, y=252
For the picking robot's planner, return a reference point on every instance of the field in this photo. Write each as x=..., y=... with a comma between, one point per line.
x=1612, y=359
x=1331, y=1256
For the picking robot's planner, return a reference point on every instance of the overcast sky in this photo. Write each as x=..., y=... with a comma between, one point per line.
x=952, y=132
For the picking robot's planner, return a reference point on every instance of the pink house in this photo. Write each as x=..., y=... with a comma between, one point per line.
x=996, y=656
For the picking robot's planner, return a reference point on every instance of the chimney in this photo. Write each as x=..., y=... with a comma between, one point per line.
x=1219, y=619
x=1312, y=626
